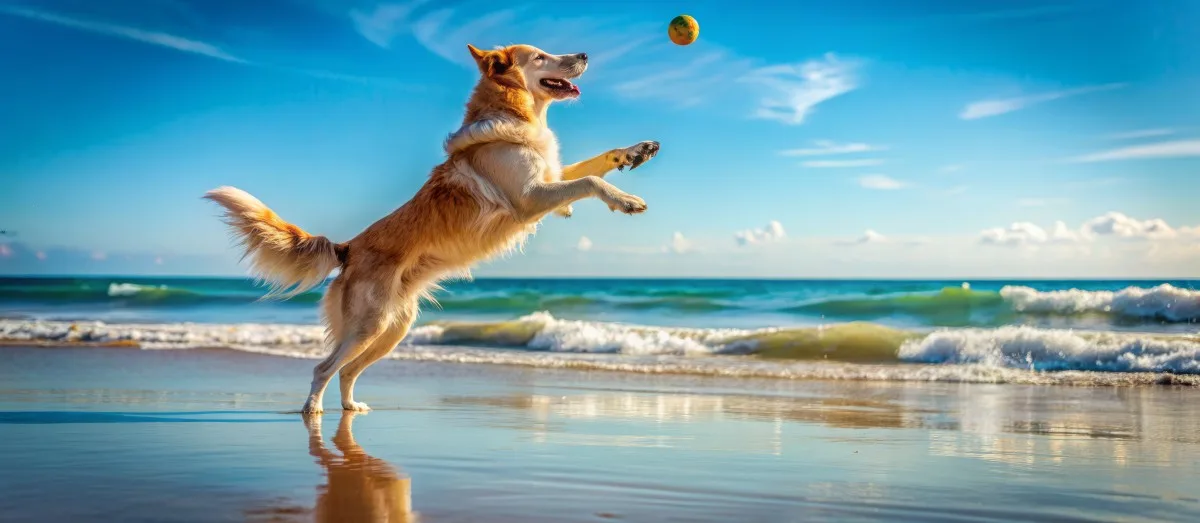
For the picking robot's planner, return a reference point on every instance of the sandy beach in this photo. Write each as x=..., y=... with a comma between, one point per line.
x=121, y=434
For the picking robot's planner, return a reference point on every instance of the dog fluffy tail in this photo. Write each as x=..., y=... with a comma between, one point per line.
x=290, y=260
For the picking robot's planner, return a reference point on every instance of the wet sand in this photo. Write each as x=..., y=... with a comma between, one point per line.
x=120, y=434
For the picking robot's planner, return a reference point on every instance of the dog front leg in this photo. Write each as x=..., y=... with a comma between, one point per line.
x=619, y=159
x=542, y=198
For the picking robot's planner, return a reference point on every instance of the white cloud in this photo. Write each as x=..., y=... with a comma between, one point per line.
x=1140, y=133
x=828, y=147
x=1019, y=233
x=994, y=107
x=952, y=168
x=1171, y=149
x=793, y=90
x=584, y=244
x=1112, y=224
x=1122, y=226
x=129, y=33
x=868, y=236
x=5, y=250
x=880, y=182
x=679, y=244
x=1063, y=234
x=839, y=164
x=99, y=255
x=771, y=233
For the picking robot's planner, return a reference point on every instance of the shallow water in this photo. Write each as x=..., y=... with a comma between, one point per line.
x=204, y=435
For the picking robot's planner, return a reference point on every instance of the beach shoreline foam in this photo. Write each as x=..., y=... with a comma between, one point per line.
x=851, y=351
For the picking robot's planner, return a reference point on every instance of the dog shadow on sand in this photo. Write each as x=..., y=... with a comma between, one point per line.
x=358, y=486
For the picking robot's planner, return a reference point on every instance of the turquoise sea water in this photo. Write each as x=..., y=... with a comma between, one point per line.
x=1040, y=326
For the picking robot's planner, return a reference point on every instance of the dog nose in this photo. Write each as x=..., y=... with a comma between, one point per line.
x=582, y=56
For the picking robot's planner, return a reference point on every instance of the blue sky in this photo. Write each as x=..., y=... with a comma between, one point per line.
x=872, y=138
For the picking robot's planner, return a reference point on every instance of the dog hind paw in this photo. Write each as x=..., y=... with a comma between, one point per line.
x=355, y=406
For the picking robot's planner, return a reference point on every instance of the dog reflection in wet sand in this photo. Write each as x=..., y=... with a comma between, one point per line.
x=360, y=487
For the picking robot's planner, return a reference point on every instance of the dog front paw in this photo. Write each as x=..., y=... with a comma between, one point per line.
x=635, y=155
x=626, y=203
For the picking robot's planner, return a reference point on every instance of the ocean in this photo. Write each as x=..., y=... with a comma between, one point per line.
x=1040, y=332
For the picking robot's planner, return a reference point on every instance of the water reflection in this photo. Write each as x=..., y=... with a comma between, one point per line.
x=1016, y=425
x=834, y=412
x=359, y=487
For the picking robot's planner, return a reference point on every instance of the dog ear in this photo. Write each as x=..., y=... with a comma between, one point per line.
x=498, y=65
x=477, y=54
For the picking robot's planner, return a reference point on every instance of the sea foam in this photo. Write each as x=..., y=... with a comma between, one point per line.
x=840, y=351
x=1164, y=302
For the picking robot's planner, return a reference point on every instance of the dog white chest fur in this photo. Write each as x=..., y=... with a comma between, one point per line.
x=511, y=158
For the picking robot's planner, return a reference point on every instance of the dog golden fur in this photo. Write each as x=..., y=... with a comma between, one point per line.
x=502, y=175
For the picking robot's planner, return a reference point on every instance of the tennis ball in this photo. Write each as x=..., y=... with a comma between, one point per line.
x=683, y=30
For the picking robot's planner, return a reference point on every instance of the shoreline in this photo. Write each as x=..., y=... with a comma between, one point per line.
x=747, y=368
x=204, y=435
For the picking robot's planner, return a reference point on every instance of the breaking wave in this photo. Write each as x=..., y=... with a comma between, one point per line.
x=1164, y=302
x=949, y=306
x=839, y=351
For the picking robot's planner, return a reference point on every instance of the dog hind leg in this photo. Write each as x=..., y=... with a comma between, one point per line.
x=383, y=345
x=363, y=320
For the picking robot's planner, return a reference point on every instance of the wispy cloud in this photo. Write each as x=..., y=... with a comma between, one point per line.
x=830, y=147
x=773, y=232
x=381, y=24
x=584, y=244
x=952, y=168
x=684, y=85
x=1141, y=133
x=794, y=90
x=649, y=67
x=1171, y=149
x=177, y=43
x=998, y=106
x=170, y=41
x=444, y=31
x=880, y=182
x=841, y=164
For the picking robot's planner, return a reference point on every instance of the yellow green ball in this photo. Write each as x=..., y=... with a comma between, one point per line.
x=683, y=30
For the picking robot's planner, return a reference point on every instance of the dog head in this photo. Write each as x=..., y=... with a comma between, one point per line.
x=523, y=67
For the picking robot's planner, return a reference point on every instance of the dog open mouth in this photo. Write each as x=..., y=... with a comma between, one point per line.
x=560, y=87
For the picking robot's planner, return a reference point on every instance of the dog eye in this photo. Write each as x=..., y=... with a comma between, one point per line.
x=540, y=57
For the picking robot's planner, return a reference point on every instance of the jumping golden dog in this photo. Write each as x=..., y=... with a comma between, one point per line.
x=502, y=175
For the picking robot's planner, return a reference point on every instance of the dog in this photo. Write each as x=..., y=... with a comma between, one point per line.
x=502, y=175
